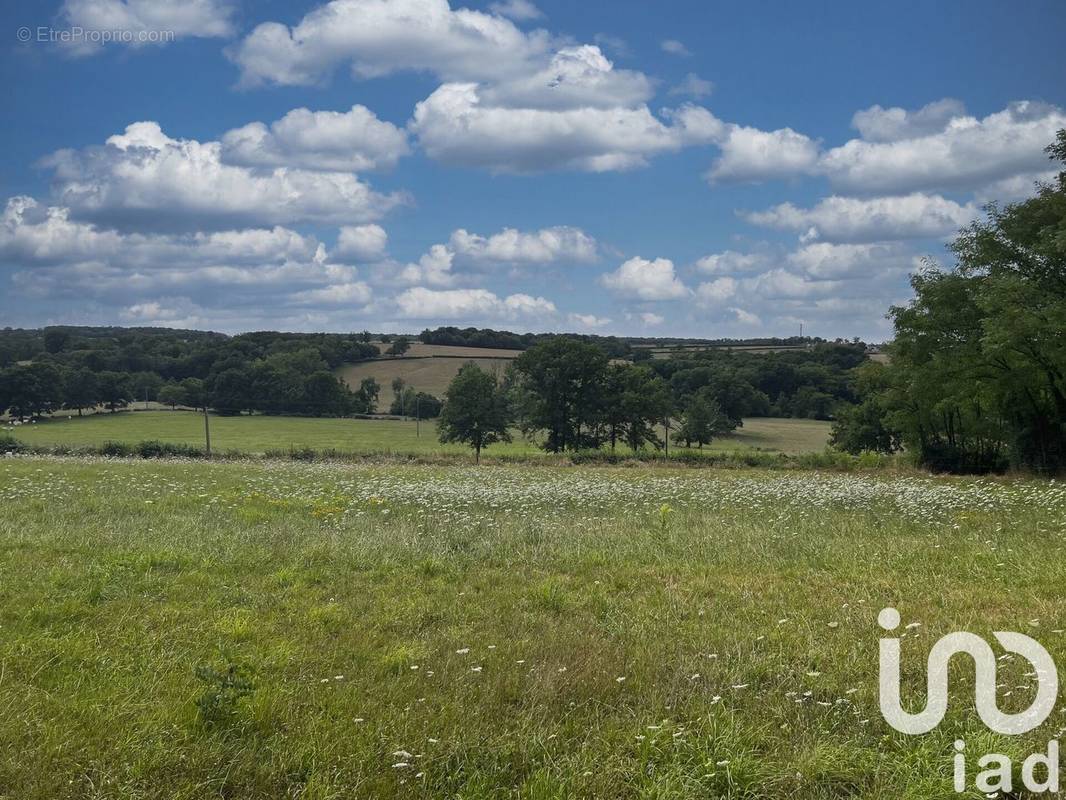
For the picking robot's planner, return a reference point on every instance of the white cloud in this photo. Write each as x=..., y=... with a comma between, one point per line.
x=377, y=38
x=144, y=179
x=145, y=22
x=750, y=154
x=641, y=279
x=350, y=141
x=357, y=243
x=433, y=267
x=780, y=283
x=693, y=86
x=356, y=293
x=511, y=246
x=877, y=124
x=826, y=260
x=674, y=48
x=967, y=153
x=849, y=219
x=716, y=292
x=469, y=304
x=453, y=125
x=575, y=77
x=730, y=261
x=651, y=319
x=746, y=317
x=519, y=10
x=589, y=320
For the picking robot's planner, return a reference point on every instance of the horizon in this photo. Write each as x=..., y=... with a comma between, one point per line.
x=508, y=165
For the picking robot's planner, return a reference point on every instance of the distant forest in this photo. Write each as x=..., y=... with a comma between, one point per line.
x=77, y=368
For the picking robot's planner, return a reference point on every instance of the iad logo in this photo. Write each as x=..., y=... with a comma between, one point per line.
x=985, y=667
x=997, y=775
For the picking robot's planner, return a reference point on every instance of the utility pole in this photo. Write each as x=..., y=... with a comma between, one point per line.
x=418, y=416
x=666, y=427
x=145, y=398
x=207, y=431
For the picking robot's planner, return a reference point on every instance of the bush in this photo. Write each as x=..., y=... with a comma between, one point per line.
x=9, y=444
x=154, y=449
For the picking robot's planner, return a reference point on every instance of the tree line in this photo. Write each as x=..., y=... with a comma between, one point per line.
x=570, y=395
x=977, y=377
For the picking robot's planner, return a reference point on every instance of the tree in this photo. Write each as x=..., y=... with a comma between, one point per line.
x=640, y=401
x=703, y=420
x=564, y=378
x=475, y=411
x=194, y=392
x=367, y=396
x=56, y=340
x=326, y=395
x=80, y=390
x=171, y=394
x=415, y=404
x=228, y=393
x=400, y=346
x=144, y=385
x=114, y=389
x=977, y=378
x=32, y=389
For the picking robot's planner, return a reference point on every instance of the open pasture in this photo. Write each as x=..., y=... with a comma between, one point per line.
x=257, y=434
x=185, y=630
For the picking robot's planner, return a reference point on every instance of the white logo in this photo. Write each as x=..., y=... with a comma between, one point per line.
x=985, y=670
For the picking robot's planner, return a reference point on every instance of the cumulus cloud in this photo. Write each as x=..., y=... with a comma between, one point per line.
x=827, y=260
x=940, y=149
x=877, y=124
x=470, y=304
x=355, y=293
x=375, y=38
x=56, y=257
x=850, y=219
x=356, y=243
x=145, y=20
x=510, y=246
x=641, y=279
x=780, y=283
x=144, y=179
x=716, y=292
x=433, y=267
x=589, y=320
x=350, y=141
x=750, y=154
x=455, y=126
x=651, y=319
x=731, y=262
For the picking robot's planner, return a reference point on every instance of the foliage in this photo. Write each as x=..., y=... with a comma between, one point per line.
x=978, y=373
x=475, y=411
x=224, y=689
x=399, y=346
x=703, y=420
x=411, y=403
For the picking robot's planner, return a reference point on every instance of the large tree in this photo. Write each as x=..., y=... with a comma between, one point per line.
x=475, y=411
x=978, y=373
x=564, y=379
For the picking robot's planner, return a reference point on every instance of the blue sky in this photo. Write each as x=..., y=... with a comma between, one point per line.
x=679, y=169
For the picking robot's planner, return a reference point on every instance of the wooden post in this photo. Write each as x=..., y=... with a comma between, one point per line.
x=418, y=416
x=207, y=432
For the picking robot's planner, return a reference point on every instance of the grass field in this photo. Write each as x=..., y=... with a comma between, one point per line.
x=262, y=433
x=427, y=367
x=191, y=630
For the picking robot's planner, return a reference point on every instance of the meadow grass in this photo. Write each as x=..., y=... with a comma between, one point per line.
x=258, y=434
x=188, y=630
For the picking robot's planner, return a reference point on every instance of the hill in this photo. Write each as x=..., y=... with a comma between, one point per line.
x=425, y=367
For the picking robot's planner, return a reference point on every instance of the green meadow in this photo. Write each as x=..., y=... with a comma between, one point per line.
x=290, y=630
x=259, y=433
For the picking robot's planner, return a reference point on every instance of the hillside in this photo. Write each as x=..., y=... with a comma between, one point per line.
x=426, y=367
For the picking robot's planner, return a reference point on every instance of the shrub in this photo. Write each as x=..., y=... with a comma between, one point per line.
x=9, y=444
x=223, y=691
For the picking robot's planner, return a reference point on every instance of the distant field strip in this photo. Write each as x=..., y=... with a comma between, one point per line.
x=262, y=433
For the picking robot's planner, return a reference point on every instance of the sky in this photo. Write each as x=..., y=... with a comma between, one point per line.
x=703, y=169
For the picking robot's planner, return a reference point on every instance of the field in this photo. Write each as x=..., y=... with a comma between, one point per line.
x=190, y=630
x=262, y=433
x=426, y=367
